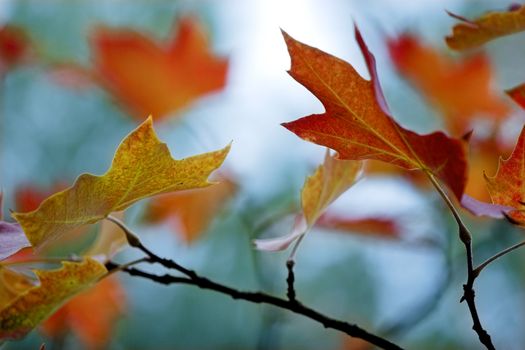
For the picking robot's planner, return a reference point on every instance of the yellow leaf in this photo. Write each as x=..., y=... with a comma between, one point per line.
x=12, y=284
x=110, y=240
x=142, y=167
x=492, y=25
x=328, y=182
x=34, y=305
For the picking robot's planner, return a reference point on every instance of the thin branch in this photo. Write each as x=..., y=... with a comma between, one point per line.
x=478, y=269
x=468, y=288
x=290, y=280
x=113, y=267
x=262, y=298
x=135, y=242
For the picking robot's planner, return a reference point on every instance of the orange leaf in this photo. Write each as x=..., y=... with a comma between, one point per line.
x=490, y=26
x=507, y=186
x=460, y=90
x=192, y=211
x=517, y=93
x=356, y=123
x=90, y=315
x=158, y=79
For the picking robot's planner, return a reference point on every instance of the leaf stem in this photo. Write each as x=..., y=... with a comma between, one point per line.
x=484, y=264
x=290, y=280
x=135, y=242
x=468, y=288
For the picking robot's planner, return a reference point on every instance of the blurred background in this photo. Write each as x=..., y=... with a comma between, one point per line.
x=386, y=256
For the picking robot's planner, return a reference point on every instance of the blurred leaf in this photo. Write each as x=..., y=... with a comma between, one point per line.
x=492, y=25
x=460, y=90
x=142, y=167
x=153, y=79
x=379, y=226
x=356, y=124
x=14, y=46
x=110, y=240
x=517, y=93
x=90, y=315
x=329, y=181
x=192, y=211
x=21, y=314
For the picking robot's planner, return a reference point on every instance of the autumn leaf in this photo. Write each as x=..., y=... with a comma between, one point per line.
x=329, y=181
x=28, y=197
x=14, y=46
x=517, y=93
x=27, y=310
x=460, y=89
x=91, y=315
x=110, y=240
x=191, y=212
x=356, y=123
x=13, y=283
x=506, y=187
x=142, y=167
x=492, y=25
x=158, y=79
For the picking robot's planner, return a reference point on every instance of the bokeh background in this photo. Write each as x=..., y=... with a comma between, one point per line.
x=405, y=285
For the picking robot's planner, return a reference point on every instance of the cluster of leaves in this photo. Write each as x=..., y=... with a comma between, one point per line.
x=357, y=124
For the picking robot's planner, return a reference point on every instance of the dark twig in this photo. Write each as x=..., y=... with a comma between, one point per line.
x=484, y=264
x=468, y=288
x=263, y=298
x=290, y=280
x=135, y=242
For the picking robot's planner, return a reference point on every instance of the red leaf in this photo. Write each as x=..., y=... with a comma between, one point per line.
x=357, y=126
x=507, y=188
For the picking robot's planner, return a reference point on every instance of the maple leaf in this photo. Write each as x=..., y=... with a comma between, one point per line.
x=142, y=167
x=14, y=46
x=191, y=212
x=506, y=187
x=153, y=79
x=13, y=283
x=356, y=123
x=329, y=181
x=12, y=239
x=110, y=240
x=492, y=25
x=24, y=312
x=461, y=89
x=90, y=315
x=517, y=93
